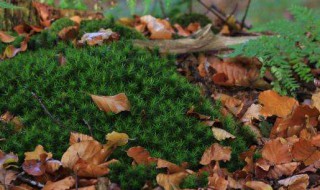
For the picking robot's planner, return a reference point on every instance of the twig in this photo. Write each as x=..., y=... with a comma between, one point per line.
x=162, y=7
x=57, y=121
x=245, y=15
x=2, y=139
x=29, y=181
x=234, y=9
x=217, y=13
x=89, y=127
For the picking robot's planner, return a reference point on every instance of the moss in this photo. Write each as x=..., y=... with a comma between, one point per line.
x=195, y=181
x=159, y=97
x=185, y=19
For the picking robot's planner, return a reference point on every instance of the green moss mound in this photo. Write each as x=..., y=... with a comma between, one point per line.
x=185, y=19
x=158, y=95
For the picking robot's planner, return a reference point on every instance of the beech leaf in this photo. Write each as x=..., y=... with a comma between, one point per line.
x=115, y=104
x=215, y=152
x=6, y=38
x=63, y=184
x=37, y=153
x=221, y=134
x=171, y=181
x=258, y=185
x=277, y=152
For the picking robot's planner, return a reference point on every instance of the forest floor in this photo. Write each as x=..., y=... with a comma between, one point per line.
x=150, y=103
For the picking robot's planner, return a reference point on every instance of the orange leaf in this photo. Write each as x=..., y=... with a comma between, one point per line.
x=85, y=169
x=115, y=104
x=69, y=33
x=36, y=154
x=215, y=152
x=172, y=168
x=171, y=181
x=193, y=27
x=274, y=104
x=52, y=166
x=181, y=31
x=6, y=38
x=303, y=150
x=258, y=185
x=234, y=105
x=159, y=29
x=277, y=152
x=282, y=170
x=63, y=184
x=315, y=140
x=140, y=155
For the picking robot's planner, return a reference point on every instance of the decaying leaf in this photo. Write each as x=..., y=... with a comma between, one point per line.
x=303, y=150
x=171, y=181
x=280, y=170
x=115, y=104
x=69, y=33
x=6, y=38
x=215, y=152
x=171, y=167
x=140, y=155
x=63, y=184
x=7, y=159
x=78, y=137
x=98, y=38
x=234, y=105
x=197, y=115
x=274, y=104
x=258, y=185
x=253, y=112
x=296, y=182
x=34, y=167
x=159, y=29
x=277, y=151
x=86, y=169
x=221, y=134
x=116, y=139
x=217, y=182
x=37, y=153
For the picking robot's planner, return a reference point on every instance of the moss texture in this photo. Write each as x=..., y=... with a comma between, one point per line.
x=159, y=97
x=185, y=19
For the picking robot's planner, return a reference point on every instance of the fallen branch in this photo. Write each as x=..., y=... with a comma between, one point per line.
x=203, y=40
x=55, y=120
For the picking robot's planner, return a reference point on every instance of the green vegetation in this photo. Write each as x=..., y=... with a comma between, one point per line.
x=159, y=97
x=291, y=53
x=185, y=19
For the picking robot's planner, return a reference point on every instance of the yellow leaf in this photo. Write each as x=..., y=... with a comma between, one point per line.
x=258, y=185
x=117, y=139
x=221, y=134
x=172, y=181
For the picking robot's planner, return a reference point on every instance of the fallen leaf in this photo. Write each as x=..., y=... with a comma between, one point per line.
x=76, y=19
x=297, y=182
x=171, y=181
x=253, y=112
x=316, y=100
x=276, y=151
x=45, y=13
x=221, y=134
x=6, y=178
x=140, y=155
x=303, y=150
x=159, y=29
x=247, y=156
x=85, y=169
x=280, y=170
x=6, y=38
x=51, y=166
x=98, y=38
x=63, y=184
x=115, y=104
x=34, y=167
x=234, y=105
x=194, y=27
x=116, y=139
x=37, y=153
x=62, y=60
x=69, y=33
x=25, y=29
x=181, y=31
x=197, y=115
x=274, y=104
x=6, y=159
x=215, y=152
x=258, y=185
x=216, y=182
x=172, y=168
x=78, y=137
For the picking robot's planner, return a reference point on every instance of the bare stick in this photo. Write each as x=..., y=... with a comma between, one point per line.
x=89, y=127
x=245, y=14
x=57, y=121
x=29, y=181
x=218, y=14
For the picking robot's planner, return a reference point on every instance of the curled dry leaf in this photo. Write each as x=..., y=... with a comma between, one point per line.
x=116, y=139
x=303, y=150
x=274, y=104
x=90, y=151
x=282, y=170
x=79, y=137
x=197, y=115
x=37, y=154
x=215, y=152
x=159, y=29
x=115, y=104
x=6, y=38
x=7, y=177
x=85, y=169
x=297, y=182
x=98, y=38
x=34, y=167
x=194, y=27
x=258, y=185
x=172, y=168
x=12, y=51
x=45, y=13
x=221, y=134
x=23, y=29
x=6, y=159
x=217, y=182
x=277, y=151
x=140, y=155
x=63, y=184
x=253, y=112
x=171, y=181
x=52, y=166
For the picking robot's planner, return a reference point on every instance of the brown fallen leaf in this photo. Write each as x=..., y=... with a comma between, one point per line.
x=7, y=159
x=253, y=112
x=181, y=31
x=6, y=38
x=98, y=38
x=85, y=169
x=34, y=167
x=6, y=178
x=303, y=150
x=194, y=27
x=221, y=134
x=37, y=153
x=274, y=104
x=234, y=105
x=171, y=181
x=171, y=167
x=215, y=152
x=258, y=185
x=159, y=29
x=12, y=51
x=296, y=182
x=141, y=156
x=69, y=33
x=280, y=170
x=217, y=182
x=197, y=115
x=115, y=104
x=25, y=29
x=78, y=137
x=63, y=184
x=45, y=13
x=276, y=151
x=116, y=139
